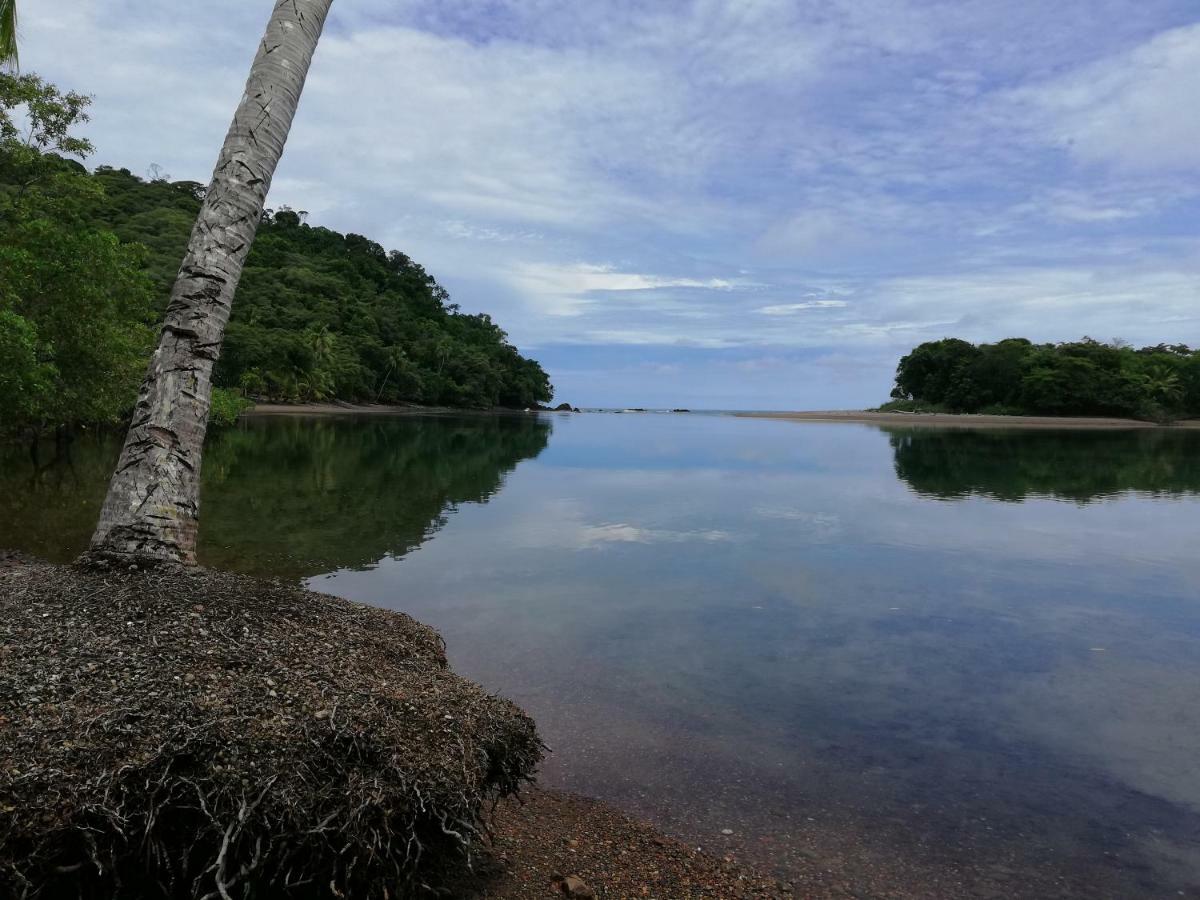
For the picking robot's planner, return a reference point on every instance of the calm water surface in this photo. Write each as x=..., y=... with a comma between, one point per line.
x=934, y=662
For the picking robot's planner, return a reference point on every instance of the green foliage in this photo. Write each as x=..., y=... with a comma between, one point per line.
x=8, y=32
x=24, y=379
x=1078, y=378
x=304, y=496
x=1010, y=465
x=75, y=305
x=286, y=496
x=87, y=262
x=226, y=406
x=49, y=117
x=321, y=315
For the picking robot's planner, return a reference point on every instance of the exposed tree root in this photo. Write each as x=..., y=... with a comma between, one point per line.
x=199, y=734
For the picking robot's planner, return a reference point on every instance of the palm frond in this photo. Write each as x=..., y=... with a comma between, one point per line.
x=8, y=33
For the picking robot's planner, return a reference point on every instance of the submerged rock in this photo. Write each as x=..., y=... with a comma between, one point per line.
x=200, y=734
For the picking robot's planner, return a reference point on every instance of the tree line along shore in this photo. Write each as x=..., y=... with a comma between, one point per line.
x=1016, y=377
x=88, y=259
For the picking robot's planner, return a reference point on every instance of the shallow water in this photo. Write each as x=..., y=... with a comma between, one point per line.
x=931, y=662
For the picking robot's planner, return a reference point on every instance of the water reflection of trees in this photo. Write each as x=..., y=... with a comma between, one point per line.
x=289, y=498
x=1073, y=465
x=49, y=508
x=307, y=496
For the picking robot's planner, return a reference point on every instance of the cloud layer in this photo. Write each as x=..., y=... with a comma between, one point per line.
x=748, y=203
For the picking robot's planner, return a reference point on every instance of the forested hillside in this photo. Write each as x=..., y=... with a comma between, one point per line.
x=1077, y=378
x=87, y=261
x=321, y=315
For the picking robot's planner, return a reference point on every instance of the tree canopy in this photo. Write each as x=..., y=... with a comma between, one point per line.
x=87, y=260
x=1077, y=378
x=75, y=303
x=8, y=32
x=321, y=315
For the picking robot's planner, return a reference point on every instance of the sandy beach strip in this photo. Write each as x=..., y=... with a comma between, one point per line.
x=946, y=420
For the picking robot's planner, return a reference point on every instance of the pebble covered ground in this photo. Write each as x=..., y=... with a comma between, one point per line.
x=550, y=844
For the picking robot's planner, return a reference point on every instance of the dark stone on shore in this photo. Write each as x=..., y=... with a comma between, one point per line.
x=198, y=733
x=575, y=887
x=681, y=410
x=565, y=407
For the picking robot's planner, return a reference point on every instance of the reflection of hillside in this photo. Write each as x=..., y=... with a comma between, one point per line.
x=288, y=497
x=1074, y=465
x=51, y=511
x=303, y=496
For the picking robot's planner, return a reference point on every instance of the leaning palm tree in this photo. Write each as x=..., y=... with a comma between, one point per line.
x=8, y=32
x=151, y=513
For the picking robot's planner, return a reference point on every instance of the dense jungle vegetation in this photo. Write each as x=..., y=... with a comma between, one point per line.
x=87, y=260
x=1079, y=378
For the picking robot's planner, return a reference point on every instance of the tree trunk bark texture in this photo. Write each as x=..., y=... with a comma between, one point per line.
x=151, y=513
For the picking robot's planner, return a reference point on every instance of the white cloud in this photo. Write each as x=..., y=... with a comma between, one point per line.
x=787, y=309
x=1146, y=305
x=906, y=169
x=663, y=338
x=1134, y=110
x=562, y=290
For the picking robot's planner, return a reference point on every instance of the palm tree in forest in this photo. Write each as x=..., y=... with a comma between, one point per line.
x=151, y=513
x=1163, y=384
x=8, y=32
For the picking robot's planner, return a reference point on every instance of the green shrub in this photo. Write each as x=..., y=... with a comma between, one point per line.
x=226, y=406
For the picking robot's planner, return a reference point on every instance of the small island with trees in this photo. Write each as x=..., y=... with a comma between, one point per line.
x=1017, y=383
x=1016, y=377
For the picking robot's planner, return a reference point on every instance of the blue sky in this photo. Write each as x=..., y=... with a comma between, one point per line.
x=719, y=203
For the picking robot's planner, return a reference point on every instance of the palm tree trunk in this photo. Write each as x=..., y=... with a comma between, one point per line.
x=151, y=513
x=8, y=34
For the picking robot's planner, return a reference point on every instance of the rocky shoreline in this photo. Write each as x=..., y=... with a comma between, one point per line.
x=209, y=731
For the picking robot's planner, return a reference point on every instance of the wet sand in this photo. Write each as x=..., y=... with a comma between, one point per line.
x=944, y=420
